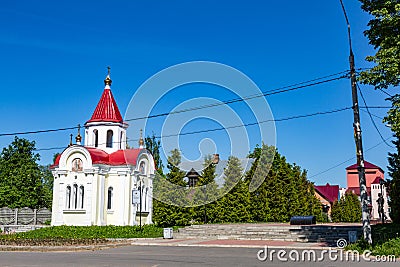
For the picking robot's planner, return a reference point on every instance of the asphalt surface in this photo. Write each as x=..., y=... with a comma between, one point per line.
x=166, y=255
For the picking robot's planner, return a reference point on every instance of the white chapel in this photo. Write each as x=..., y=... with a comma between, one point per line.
x=102, y=182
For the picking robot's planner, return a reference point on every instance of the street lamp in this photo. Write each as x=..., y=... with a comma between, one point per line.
x=381, y=202
x=140, y=177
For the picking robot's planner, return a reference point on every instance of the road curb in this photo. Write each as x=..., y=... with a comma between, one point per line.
x=61, y=248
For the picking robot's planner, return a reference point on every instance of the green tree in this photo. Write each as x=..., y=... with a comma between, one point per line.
x=393, y=118
x=21, y=178
x=383, y=34
x=260, y=204
x=234, y=205
x=175, y=175
x=285, y=190
x=153, y=145
x=47, y=185
x=205, y=191
x=170, y=190
x=347, y=209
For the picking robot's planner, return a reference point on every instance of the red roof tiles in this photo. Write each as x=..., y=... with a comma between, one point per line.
x=329, y=192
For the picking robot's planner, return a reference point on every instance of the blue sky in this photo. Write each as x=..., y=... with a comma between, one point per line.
x=54, y=56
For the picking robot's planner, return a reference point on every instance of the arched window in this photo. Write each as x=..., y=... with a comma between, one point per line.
x=120, y=140
x=81, y=195
x=75, y=196
x=96, y=138
x=109, y=142
x=68, y=198
x=109, y=198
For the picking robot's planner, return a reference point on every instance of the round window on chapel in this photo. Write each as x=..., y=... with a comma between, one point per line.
x=77, y=165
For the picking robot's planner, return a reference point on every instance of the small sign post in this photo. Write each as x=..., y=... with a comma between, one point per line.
x=135, y=196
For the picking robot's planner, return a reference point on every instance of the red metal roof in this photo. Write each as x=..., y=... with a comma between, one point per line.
x=119, y=157
x=123, y=157
x=367, y=165
x=98, y=156
x=329, y=192
x=107, y=109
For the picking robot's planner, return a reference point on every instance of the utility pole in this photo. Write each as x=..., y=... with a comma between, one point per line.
x=358, y=140
x=360, y=154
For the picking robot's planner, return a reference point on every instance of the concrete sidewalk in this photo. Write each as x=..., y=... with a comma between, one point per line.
x=227, y=243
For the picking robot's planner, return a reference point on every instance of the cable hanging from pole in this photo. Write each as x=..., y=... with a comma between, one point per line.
x=372, y=120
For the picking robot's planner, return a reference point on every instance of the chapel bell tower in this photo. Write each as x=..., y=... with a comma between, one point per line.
x=106, y=129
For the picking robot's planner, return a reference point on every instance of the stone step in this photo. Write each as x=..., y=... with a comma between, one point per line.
x=315, y=233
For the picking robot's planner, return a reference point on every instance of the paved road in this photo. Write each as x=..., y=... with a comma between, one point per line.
x=163, y=256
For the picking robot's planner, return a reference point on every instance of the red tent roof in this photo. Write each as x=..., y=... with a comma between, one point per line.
x=119, y=157
x=107, y=109
x=367, y=165
x=377, y=180
x=330, y=192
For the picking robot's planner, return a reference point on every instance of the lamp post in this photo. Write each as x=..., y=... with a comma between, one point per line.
x=140, y=177
x=205, y=205
x=381, y=202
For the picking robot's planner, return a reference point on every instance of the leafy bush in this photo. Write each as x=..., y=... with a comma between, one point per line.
x=386, y=241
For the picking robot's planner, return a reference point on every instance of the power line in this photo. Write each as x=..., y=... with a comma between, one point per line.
x=263, y=94
x=343, y=162
x=284, y=89
x=40, y=131
x=370, y=116
x=256, y=123
x=386, y=93
x=377, y=107
x=380, y=89
x=235, y=126
x=376, y=116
